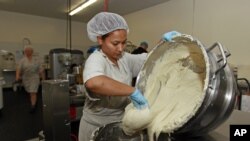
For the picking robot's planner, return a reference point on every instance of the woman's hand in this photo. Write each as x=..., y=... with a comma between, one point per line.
x=170, y=35
x=139, y=101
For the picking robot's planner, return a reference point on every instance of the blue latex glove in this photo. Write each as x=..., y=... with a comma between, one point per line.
x=170, y=35
x=139, y=101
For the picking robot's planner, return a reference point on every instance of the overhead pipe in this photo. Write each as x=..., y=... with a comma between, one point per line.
x=105, y=5
x=68, y=28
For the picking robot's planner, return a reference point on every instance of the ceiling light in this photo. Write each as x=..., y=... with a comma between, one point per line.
x=81, y=7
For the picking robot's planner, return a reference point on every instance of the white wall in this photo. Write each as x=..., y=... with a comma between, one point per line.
x=44, y=33
x=149, y=24
x=228, y=22
x=225, y=21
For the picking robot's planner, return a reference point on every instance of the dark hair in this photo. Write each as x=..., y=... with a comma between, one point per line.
x=105, y=36
x=144, y=43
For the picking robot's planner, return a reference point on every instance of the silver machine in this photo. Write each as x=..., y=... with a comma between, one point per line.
x=217, y=106
x=62, y=61
x=7, y=67
x=63, y=95
x=7, y=72
x=56, y=120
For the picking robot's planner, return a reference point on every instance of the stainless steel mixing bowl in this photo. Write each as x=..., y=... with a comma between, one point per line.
x=220, y=85
x=219, y=88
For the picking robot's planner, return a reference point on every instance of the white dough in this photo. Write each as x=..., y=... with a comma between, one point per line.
x=141, y=118
x=174, y=89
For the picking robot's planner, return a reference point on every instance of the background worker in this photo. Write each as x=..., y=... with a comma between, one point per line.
x=29, y=70
x=141, y=49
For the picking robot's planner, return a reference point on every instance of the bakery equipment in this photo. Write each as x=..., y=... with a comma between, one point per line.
x=56, y=119
x=7, y=60
x=67, y=64
x=114, y=132
x=63, y=60
x=222, y=133
x=220, y=89
x=63, y=95
x=244, y=90
x=7, y=67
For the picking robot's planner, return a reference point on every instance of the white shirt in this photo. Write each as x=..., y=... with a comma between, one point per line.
x=98, y=64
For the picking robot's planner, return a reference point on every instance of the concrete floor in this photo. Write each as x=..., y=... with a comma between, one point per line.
x=17, y=124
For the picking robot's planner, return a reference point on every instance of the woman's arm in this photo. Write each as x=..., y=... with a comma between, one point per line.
x=104, y=85
x=18, y=74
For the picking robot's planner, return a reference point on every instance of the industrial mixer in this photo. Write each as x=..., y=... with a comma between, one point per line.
x=63, y=95
x=213, y=107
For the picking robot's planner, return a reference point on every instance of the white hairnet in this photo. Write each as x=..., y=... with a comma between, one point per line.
x=103, y=23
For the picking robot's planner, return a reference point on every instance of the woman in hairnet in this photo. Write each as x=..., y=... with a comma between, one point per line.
x=29, y=70
x=108, y=74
